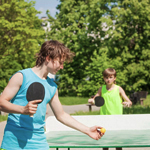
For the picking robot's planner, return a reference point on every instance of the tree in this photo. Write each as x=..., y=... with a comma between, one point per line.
x=78, y=25
x=20, y=37
x=130, y=42
x=103, y=34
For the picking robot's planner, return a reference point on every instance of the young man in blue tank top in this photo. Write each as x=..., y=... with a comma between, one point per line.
x=23, y=131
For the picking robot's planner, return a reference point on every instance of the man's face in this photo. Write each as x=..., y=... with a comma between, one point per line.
x=55, y=65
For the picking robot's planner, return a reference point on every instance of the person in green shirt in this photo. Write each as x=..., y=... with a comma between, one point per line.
x=114, y=96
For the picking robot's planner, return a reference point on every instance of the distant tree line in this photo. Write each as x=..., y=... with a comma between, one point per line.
x=124, y=45
x=102, y=34
x=20, y=37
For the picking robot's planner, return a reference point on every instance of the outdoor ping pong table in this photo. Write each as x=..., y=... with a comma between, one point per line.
x=121, y=131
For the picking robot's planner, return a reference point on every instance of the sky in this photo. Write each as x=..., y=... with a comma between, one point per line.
x=43, y=5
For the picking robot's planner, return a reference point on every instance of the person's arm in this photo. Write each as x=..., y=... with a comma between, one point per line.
x=9, y=92
x=69, y=121
x=91, y=100
x=127, y=101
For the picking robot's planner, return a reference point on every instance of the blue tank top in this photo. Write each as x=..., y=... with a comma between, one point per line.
x=23, y=131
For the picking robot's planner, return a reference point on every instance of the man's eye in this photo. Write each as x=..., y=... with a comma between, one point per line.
x=61, y=62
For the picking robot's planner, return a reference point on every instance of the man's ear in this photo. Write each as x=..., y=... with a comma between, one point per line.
x=47, y=58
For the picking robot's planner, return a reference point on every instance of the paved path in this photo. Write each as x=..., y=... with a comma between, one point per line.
x=70, y=110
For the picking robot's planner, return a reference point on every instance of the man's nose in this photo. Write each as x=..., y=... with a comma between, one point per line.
x=61, y=66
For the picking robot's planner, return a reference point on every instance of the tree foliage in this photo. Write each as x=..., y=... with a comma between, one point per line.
x=124, y=45
x=130, y=42
x=20, y=37
x=78, y=27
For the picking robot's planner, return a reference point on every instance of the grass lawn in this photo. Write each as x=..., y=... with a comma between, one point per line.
x=73, y=100
x=3, y=118
x=84, y=100
x=134, y=109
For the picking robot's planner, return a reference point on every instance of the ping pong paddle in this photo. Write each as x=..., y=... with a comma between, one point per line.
x=99, y=101
x=35, y=91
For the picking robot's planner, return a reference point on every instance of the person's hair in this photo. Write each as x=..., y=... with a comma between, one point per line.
x=109, y=72
x=53, y=49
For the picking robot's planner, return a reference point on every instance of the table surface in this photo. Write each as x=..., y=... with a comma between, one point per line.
x=111, y=139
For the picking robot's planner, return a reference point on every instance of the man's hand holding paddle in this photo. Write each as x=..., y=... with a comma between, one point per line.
x=31, y=107
x=35, y=95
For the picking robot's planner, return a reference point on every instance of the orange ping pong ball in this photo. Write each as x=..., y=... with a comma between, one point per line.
x=103, y=130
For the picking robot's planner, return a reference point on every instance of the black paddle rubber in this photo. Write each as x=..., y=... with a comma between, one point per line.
x=35, y=91
x=99, y=101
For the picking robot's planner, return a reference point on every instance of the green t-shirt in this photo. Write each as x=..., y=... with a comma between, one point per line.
x=113, y=100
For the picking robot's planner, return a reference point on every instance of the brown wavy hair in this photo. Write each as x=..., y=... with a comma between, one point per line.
x=54, y=49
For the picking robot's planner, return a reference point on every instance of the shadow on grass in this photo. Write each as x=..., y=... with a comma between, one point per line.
x=137, y=109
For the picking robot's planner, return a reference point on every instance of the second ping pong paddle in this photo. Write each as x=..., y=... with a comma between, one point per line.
x=35, y=91
x=99, y=101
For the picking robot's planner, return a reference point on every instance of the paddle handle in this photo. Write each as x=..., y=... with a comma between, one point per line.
x=31, y=116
